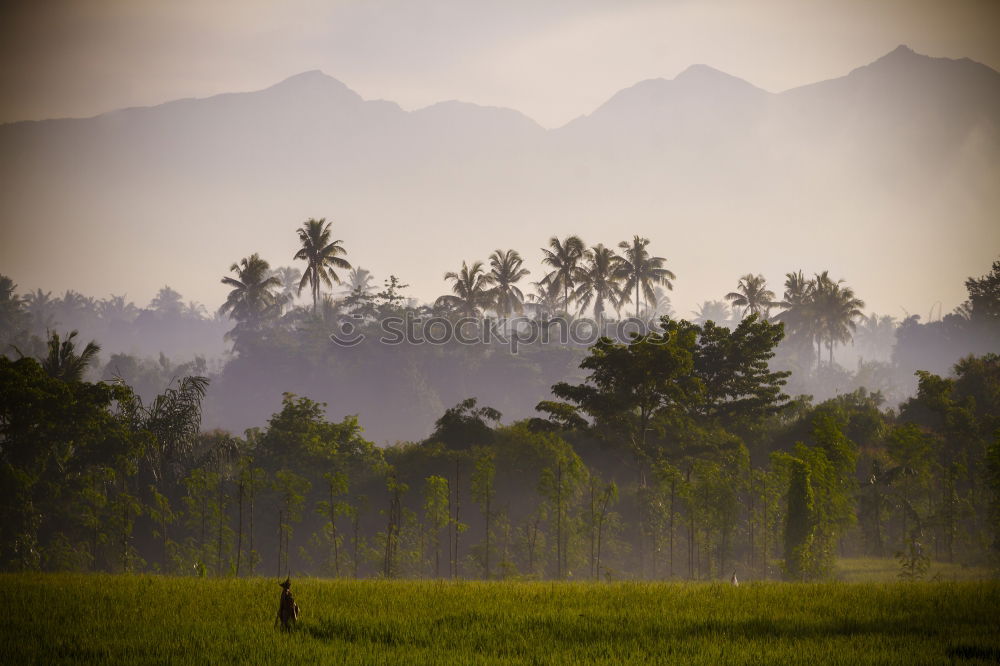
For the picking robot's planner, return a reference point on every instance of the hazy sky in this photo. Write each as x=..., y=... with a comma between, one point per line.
x=552, y=60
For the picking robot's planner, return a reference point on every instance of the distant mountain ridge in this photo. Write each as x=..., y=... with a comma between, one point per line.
x=913, y=139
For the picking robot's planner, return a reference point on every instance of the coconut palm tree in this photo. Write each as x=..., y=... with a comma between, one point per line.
x=598, y=282
x=321, y=255
x=835, y=309
x=360, y=281
x=290, y=278
x=798, y=314
x=506, y=270
x=471, y=288
x=658, y=306
x=167, y=302
x=752, y=295
x=194, y=310
x=542, y=301
x=564, y=258
x=62, y=361
x=839, y=311
x=41, y=308
x=116, y=308
x=253, y=298
x=876, y=334
x=360, y=297
x=714, y=311
x=640, y=272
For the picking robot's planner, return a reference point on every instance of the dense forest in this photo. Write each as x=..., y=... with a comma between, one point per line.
x=729, y=440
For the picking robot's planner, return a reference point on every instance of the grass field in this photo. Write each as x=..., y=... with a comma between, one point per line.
x=875, y=570
x=147, y=620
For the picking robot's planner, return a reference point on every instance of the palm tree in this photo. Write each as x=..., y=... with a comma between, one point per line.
x=321, y=256
x=360, y=297
x=543, y=301
x=839, y=319
x=658, y=306
x=252, y=298
x=472, y=293
x=798, y=313
x=290, y=278
x=41, y=307
x=116, y=308
x=563, y=258
x=598, y=282
x=360, y=281
x=752, y=295
x=167, y=302
x=506, y=271
x=62, y=361
x=641, y=272
x=877, y=334
x=836, y=310
x=194, y=310
x=714, y=311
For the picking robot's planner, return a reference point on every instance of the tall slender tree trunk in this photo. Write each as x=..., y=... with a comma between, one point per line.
x=673, y=497
x=559, y=519
x=239, y=531
x=253, y=563
x=218, y=561
x=764, y=531
x=750, y=523
x=488, y=531
x=281, y=538
x=458, y=509
x=333, y=536
x=356, y=524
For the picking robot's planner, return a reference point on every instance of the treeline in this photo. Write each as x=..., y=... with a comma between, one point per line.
x=676, y=455
x=279, y=346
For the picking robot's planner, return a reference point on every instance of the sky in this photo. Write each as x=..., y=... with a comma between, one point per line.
x=552, y=60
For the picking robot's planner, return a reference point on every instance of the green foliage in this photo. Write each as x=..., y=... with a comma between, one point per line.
x=464, y=426
x=740, y=391
x=63, y=362
x=800, y=520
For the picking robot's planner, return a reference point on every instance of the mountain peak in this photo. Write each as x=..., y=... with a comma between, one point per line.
x=313, y=79
x=701, y=72
x=317, y=87
x=709, y=78
x=310, y=75
x=901, y=54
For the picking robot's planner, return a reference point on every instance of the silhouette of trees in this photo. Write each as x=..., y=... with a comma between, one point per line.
x=252, y=299
x=322, y=256
x=564, y=258
x=598, y=282
x=640, y=272
x=752, y=295
x=836, y=308
x=506, y=271
x=472, y=290
x=63, y=362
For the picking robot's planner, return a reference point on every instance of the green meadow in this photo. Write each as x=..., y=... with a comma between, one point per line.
x=104, y=619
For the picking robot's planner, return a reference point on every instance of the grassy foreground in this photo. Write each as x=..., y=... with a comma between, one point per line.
x=147, y=619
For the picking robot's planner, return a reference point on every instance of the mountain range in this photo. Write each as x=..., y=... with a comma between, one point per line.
x=889, y=176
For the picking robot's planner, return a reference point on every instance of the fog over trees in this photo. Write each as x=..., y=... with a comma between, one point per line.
x=683, y=449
